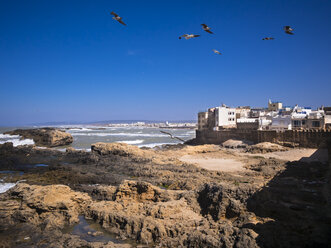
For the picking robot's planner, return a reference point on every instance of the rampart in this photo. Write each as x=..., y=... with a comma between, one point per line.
x=303, y=138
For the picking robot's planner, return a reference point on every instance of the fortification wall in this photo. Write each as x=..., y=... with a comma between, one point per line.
x=303, y=138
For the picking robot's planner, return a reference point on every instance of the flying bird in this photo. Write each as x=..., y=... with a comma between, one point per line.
x=217, y=52
x=189, y=36
x=206, y=28
x=116, y=17
x=288, y=30
x=268, y=38
x=171, y=136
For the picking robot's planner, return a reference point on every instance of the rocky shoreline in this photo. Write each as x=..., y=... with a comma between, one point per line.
x=48, y=137
x=150, y=198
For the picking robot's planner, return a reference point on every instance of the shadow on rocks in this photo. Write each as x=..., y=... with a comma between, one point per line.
x=295, y=207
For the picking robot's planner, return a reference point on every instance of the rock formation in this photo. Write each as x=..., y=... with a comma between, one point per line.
x=147, y=197
x=49, y=137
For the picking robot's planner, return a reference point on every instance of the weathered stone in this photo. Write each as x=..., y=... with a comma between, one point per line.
x=273, y=203
x=49, y=137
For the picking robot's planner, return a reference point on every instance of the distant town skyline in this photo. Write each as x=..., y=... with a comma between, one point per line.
x=69, y=61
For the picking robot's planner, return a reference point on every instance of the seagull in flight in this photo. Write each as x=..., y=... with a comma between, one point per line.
x=217, y=52
x=116, y=17
x=268, y=38
x=288, y=30
x=171, y=136
x=189, y=36
x=206, y=28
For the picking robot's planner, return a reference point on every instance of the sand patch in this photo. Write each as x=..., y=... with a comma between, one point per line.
x=303, y=154
x=218, y=164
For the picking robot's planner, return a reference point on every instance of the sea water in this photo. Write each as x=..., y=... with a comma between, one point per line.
x=85, y=135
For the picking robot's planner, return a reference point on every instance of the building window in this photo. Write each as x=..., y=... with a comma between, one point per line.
x=297, y=123
x=316, y=124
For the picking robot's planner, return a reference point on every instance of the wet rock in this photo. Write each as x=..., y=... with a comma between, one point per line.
x=49, y=137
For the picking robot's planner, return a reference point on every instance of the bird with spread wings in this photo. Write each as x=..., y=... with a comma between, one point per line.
x=206, y=28
x=116, y=17
x=171, y=136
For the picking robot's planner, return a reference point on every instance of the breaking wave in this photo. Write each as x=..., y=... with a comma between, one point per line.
x=130, y=142
x=120, y=134
x=15, y=139
x=8, y=136
x=79, y=129
x=4, y=187
x=152, y=145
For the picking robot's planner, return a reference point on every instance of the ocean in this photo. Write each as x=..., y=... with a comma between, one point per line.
x=85, y=135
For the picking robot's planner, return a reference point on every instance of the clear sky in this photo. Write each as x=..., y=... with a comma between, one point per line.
x=70, y=61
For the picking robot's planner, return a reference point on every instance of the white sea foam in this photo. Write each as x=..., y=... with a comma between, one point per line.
x=131, y=142
x=61, y=149
x=6, y=186
x=91, y=134
x=79, y=129
x=120, y=134
x=84, y=149
x=15, y=139
x=18, y=142
x=8, y=136
x=42, y=147
x=78, y=149
x=152, y=145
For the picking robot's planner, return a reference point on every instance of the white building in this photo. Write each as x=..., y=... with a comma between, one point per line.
x=225, y=117
x=299, y=116
x=327, y=117
x=257, y=112
x=281, y=122
x=243, y=112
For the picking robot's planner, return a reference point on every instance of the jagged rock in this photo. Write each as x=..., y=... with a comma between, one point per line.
x=138, y=191
x=138, y=213
x=49, y=137
x=272, y=204
x=101, y=192
x=223, y=201
x=265, y=147
x=52, y=206
x=121, y=149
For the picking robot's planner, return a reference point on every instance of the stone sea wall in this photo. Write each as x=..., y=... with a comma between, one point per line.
x=303, y=138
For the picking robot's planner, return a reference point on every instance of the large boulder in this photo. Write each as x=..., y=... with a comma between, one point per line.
x=51, y=206
x=49, y=137
x=266, y=147
x=233, y=144
x=122, y=150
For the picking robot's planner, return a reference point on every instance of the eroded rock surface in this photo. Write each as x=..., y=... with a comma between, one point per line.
x=265, y=147
x=49, y=137
x=151, y=198
x=52, y=205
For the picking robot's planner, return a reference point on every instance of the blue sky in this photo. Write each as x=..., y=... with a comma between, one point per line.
x=69, y=61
